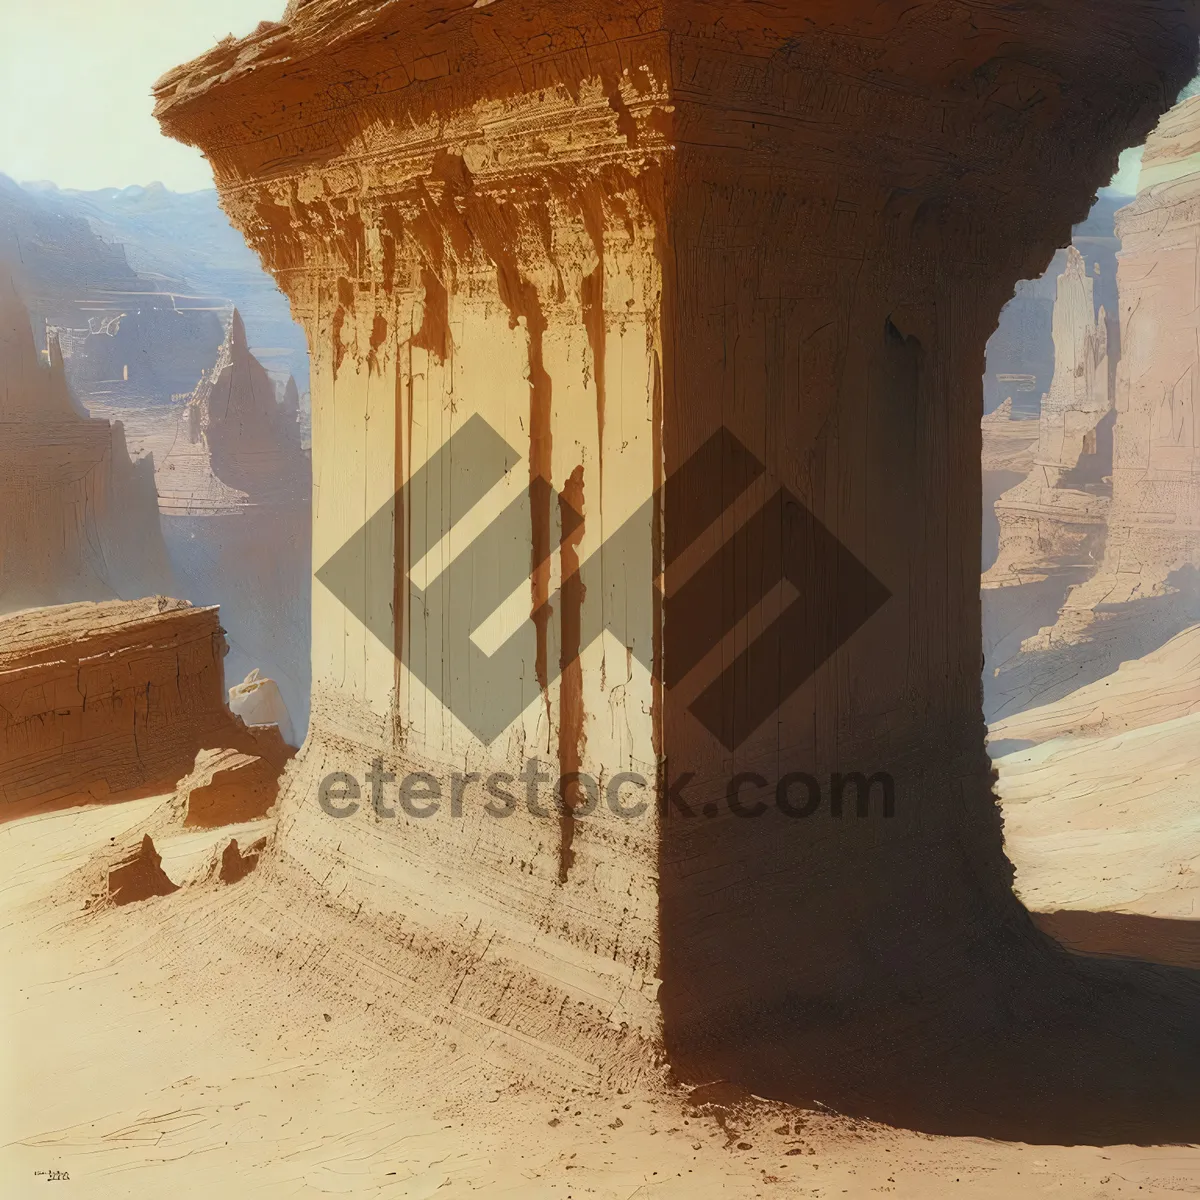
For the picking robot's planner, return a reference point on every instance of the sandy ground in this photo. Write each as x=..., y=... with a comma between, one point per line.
x=147, y=1054
x=1100, y=810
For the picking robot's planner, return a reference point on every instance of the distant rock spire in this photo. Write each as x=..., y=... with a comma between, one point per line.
x=1080, y=395
x=291, y=400
x=237, y=444
x=236, y=336
x=60, y=398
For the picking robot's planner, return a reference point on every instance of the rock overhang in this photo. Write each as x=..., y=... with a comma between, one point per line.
x=952, y=115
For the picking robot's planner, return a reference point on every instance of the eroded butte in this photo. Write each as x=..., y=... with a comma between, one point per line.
x=614, y=237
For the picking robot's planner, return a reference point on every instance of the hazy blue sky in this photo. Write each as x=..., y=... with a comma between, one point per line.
x=75, y=79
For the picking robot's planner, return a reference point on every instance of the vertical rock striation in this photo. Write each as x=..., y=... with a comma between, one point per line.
x=701, y=291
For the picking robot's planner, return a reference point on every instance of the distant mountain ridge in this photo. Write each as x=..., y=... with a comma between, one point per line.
x=178, y=242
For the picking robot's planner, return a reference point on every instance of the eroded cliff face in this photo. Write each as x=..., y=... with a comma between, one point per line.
x=1054, y=519
x=78, y=518
x=1153, y=546
x=102, y=702
x=723, y=311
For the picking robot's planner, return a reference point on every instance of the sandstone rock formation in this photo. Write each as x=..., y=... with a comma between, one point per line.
x=1009, y=442
x=291, y=400
x=1054, y=520
x=608, y=235
x=226, y=787
x=105, y=701
x=235, y=864
x=139, y=876
x=78, y=519
x=1020, y=353
x=236, y=444
x=1153, y=546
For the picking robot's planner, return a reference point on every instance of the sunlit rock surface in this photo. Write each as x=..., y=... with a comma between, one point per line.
x=1152, y=552
x=107, y=701
x=1054, y=519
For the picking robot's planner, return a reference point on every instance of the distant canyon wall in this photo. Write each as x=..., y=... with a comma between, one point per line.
x=120, y=333
x=1153, y=545
x=78, y=519
x=184, y=240
x=1120, y=531
x=1020, y=352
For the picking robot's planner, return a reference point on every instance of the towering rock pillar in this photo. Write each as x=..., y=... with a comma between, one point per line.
x=1053, y=520
x=700, y=294
x=1152, y=550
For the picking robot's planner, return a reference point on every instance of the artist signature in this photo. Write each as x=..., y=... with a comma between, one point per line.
x=53, y=1176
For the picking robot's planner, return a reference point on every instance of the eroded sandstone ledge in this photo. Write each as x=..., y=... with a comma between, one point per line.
x=107, y=701
x=611, y=234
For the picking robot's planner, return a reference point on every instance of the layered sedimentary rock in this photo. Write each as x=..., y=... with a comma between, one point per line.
x=1153, y=545
x=78, y=518
x=1054, y=519
x=678, y=289
x=1010, y=439
x=235, y=493
x=106, y=701
x=185, y=244
x=226, y=787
